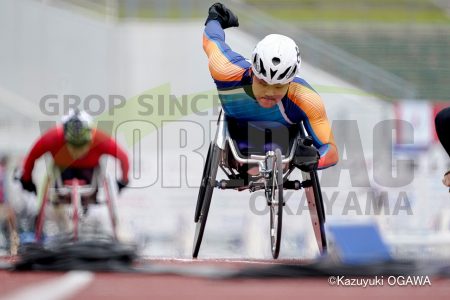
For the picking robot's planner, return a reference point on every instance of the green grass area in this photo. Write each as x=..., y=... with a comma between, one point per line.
x=373, y=15
x=173, y=13
x=409, y=38
x=403, y=11
x=419, y=54
x=342, y=2
x=392, y=11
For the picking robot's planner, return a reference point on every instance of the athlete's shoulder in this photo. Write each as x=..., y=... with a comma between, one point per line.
x=53, y=135
x=300, y=89
x=305, y=97
x=99, y=135
x=300, y=86
x=50, y=140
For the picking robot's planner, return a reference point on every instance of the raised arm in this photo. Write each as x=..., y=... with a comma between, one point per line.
x=226, y=66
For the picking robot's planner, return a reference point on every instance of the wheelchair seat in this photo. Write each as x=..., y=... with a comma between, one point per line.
x=70, y=182
x=247, y=139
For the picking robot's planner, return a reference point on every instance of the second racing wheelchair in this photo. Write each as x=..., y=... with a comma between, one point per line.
x=274, y=170
x=71, y=198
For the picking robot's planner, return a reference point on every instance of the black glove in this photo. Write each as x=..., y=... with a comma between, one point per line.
x=221, y=13
x=121, y=184
x=28, y=185
x=306, y=157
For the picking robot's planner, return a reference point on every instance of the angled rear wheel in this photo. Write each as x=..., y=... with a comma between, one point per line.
x=322, y=242
x=203, y=183
x=316, y=208
x=205, y=194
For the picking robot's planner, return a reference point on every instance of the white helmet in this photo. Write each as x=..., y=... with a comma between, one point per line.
x=276, y=59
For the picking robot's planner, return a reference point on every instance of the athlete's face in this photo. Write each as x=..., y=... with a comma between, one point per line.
x=266, y=94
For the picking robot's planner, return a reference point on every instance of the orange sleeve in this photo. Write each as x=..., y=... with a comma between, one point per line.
x=224, y=64
x=316, y=123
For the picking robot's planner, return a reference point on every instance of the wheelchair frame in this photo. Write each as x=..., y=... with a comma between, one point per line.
x=55, y=188
x=217, y=157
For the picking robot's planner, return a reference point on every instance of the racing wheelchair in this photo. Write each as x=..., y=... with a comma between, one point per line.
x=73, y=197
x=274, y=170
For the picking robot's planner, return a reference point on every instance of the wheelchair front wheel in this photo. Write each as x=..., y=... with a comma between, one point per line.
x=276, y=203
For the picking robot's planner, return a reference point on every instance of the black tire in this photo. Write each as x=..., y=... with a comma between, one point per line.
x=320, y=208
x=211, y=174
x=276, y=207
x=203, y=183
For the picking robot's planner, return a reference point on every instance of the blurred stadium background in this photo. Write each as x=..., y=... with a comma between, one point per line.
x=370, y=60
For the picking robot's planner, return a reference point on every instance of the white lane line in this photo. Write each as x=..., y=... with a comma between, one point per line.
x=214, y=260
x=60, y=288
x=252, y=262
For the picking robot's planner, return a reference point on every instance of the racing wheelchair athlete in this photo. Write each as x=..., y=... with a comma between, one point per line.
x=272, y=122
x=76, y=175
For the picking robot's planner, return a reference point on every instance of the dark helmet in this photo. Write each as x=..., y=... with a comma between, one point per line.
x=77, y=128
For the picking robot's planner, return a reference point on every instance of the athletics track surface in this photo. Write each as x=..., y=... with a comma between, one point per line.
x=87, y=285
